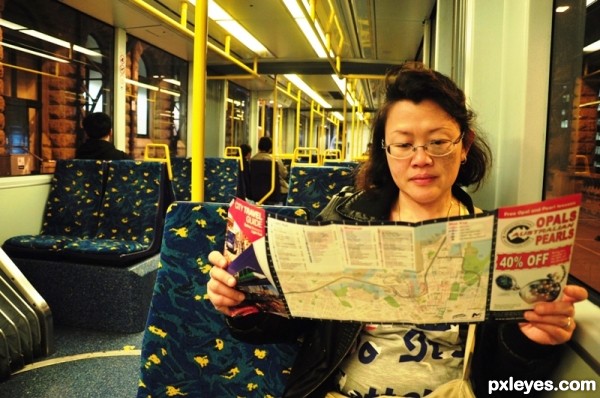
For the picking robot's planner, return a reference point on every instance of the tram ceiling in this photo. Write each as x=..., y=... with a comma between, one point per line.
x=376, y=34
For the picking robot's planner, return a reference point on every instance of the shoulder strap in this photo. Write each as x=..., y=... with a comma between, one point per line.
x=469, y=347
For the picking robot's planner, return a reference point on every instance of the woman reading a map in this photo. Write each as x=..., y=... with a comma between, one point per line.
x=425, y=149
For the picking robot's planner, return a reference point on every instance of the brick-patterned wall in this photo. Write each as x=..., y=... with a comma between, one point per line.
x=62, y=109
x=583, y=134
x=61, y=103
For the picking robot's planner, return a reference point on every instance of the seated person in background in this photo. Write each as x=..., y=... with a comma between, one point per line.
x=426, y=148
x=246, y=155
x=265, y=149
x=98, y=131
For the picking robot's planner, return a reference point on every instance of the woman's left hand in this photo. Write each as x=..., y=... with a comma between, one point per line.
x=553, y=323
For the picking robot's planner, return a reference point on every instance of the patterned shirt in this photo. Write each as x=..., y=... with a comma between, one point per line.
x=402, y=360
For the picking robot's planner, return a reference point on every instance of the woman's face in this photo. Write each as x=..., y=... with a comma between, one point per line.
x=422, y=178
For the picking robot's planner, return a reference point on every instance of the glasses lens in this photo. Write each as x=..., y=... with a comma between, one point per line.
x=440, y=148
x=400, y=151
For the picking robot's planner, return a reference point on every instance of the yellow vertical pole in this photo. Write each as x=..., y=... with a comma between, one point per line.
x=199, y=100
x=344, y=123
x=298, y=116
x=184, y=12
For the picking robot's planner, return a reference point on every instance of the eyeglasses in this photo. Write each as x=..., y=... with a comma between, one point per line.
x=435, y=148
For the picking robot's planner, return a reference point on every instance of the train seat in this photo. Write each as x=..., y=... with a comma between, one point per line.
x=351, y=164
x=109, y=215
x=187, y=349
x=221, y=179
x=71, y=210
x=261, y=174
x=182, y=178
x=104, y=280
x=314, y=186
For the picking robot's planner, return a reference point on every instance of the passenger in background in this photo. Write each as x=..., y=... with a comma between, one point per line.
x=246, y=155
x=426, y=148
x=98, y=131
x=265, y=150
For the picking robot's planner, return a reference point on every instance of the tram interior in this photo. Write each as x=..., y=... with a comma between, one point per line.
x=186, y=104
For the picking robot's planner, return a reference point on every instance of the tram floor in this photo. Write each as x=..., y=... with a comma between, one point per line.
x=85, y=364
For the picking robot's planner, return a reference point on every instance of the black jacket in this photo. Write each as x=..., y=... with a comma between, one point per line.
x=99, y=149
x=501, y=349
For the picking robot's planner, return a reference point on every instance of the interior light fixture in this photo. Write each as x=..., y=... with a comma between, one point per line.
x=11, y=25
x=36, y=53
x=338, y=116
x=306, y=89
x=590, y=48
x=172, y=81
x=86, y=51
x=169, y=92
x=227, y=22
x=562, y=8
x=341, y=83
x=305, y=28
x=47, y=38
x=140, y=84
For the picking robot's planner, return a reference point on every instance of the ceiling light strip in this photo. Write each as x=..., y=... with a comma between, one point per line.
x=306, y=89
x=227, y=22
x=140, y=84
x=306, y=20
x=36, y=53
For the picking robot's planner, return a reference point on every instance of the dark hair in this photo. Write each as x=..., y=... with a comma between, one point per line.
x=97, y=125
x=265, y=144
x=246, y=149
x=414, y=82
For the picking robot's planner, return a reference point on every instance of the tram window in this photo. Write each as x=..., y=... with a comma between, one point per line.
x=237, y=129
x=155, y=96
x=142, y=101
x=53, y=77
x=95, y=80
x=573, y=137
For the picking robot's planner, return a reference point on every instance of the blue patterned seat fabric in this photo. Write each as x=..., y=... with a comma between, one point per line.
x=125, y=225
x=187, y=349
x=314, y=186
x=72, y=207
x=182, y=178
x=131, y=212
x=353, y=165
x=221, y=179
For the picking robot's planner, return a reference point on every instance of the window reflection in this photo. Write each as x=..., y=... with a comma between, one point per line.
x=55, y=68
x=155, y=98
x=573, y=151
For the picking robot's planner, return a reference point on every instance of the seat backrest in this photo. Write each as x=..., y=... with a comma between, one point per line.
x=313, y=187
x=74, y=200
x=182, y=178
x=133, y=201
x=261, y=174
x=342, y=163
x=187, y=348
x=221, y=179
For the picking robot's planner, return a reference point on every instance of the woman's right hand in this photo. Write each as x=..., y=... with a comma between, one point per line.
x=221, y=286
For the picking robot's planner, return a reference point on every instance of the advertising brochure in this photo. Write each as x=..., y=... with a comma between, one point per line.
x=245, y=251
x=462, y=269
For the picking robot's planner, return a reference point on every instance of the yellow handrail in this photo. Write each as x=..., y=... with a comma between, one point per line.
x=237, y=154
x=273, y=165
x=166, y=159
x=308, y=153
x=332, y=154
